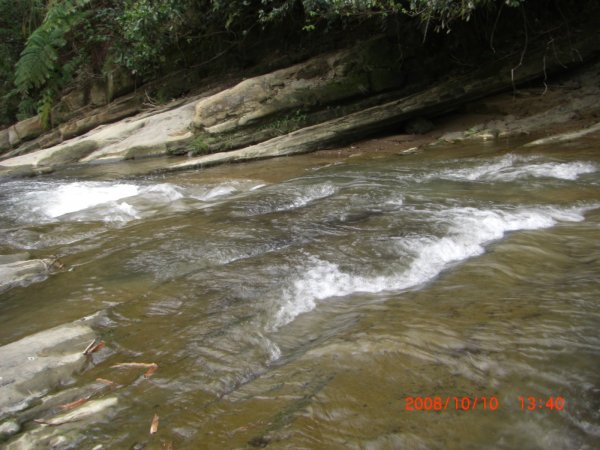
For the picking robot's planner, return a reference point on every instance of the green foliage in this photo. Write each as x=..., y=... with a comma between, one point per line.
x=45, y=107
x=147, y=28
x=287, y=123
x=26, y=108
x=60, y=41
x=40, y=68
x=39, y=59
x=442, y=12
x=17, y=19
x=199, y=146
x=39, y=64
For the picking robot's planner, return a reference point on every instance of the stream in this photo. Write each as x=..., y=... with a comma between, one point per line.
x=329, y=301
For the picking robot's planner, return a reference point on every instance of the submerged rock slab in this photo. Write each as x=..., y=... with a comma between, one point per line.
x=65, y=430
x=566, y=137
x=32, y=366
x=23, y=273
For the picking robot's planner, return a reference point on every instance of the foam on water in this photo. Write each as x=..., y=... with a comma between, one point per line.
x=165, y=190
x=468, y=231
x=101, y=200
x=308, y=195
x=478, y=172
x=513, y=167
x=286, y=198
x=561, y=171
x=211, y=193
x=57, y=201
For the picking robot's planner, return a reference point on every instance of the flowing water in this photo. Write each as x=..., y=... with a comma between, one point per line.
x=301, y=302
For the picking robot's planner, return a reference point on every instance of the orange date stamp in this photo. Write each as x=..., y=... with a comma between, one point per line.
x=439, y=403
x=480, y=403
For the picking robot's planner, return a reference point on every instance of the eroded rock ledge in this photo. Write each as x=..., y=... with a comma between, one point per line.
x=326, y=101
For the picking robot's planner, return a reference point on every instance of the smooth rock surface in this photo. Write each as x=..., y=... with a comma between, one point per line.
x=566, y=137
x=32, y=366
x=15, y=257
x=8, y=428
x=65, y=430
x=22, y=273
x=364, y=70
x=142, y=135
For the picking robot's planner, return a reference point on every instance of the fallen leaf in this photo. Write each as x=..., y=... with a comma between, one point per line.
x=154, y=426
x=89, y=347
x=134, y=365
x=55, y=422
x=150, y=371
x=75, y=404
x=151, y=367
x=99, y=346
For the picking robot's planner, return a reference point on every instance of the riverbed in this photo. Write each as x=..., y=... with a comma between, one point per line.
x=329, y=301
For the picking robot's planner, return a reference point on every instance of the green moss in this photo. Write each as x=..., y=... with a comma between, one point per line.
x=70, y=154
x=200, y=146
x=288, y=123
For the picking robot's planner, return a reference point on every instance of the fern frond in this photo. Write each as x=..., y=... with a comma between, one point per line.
x=45, y=108
x=39, y=59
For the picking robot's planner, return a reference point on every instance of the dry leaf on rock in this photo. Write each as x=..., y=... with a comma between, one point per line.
x=154, y=426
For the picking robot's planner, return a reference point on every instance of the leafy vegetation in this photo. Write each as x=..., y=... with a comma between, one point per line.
x=18, y=19
x=200, y=146
x=46, y=45
x=39, y=67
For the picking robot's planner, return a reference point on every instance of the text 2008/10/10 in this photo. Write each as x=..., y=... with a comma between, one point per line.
x=438, y=403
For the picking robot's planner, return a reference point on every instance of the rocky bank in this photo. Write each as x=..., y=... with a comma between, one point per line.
x=323, y=102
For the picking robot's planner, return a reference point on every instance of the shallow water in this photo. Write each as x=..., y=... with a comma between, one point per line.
x=298, y=302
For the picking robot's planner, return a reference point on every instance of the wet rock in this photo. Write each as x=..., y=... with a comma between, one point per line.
x=487, y=134
x=452, y=137
x=65, y=430
x=15, y=257
x=8, y=429
x=52, y=404
x=23, y=273
x=98, y=95
x=566, y=137
x=119, y=109
x=27, y=129
x=144, y=135
x=365, y=70
x=32, y=366
x=443, y=97
x=74, y=100
x=305, y=108
x=4, y=140
x=23, y=171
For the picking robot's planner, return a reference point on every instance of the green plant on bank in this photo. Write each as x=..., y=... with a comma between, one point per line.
x=200, y=146
x=80, y=40
x=147, y=29
x=439, y=12
x=288, y=123
x=18, y=18
x=40, y=67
